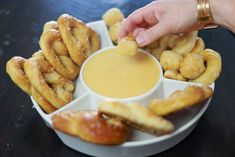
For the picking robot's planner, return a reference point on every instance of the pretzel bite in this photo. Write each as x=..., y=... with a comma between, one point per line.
x=91, y=126
x=114, y=31
x=179, y=100
x=213, y=67
x=170, y=60
x=172, y=74
x=127, y=46
x=160, y=47
x=192, y=65
x=113, y=16
x=137, y=116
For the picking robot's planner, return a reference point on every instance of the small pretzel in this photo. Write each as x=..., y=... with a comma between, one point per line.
x=192, y=65
x=14, y=68
x=158, y=46
x=79, y=39
x=213, y=67
x=56, y=53
x=53, y=88
x=173, y=74
x=170, y=60
x=185, y=43
x=113, y=16
x=199, y=45
x=114, y=31
x=127, y=46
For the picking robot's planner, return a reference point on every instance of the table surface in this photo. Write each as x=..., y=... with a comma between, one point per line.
x=22, y=131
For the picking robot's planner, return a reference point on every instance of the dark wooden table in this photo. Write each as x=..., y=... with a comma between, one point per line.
x=22, y=131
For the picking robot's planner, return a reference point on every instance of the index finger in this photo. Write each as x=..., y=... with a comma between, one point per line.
x=133, y=20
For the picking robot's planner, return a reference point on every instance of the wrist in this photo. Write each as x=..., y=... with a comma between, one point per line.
x=205, y=17
x=223, y=13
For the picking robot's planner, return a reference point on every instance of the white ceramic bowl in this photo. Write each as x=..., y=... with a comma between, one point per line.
x=140, y=144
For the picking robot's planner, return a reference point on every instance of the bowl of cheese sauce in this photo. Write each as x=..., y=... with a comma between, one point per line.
x=109, y=75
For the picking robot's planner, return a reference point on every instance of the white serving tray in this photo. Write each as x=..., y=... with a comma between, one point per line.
x=140, y=144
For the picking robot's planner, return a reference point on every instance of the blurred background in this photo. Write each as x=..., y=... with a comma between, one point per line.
x=22, y=131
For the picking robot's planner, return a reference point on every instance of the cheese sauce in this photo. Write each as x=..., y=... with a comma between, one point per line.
x=114, y=75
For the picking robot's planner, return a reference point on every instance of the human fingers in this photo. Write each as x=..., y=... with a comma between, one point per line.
x=155, y=32
x=137, y=31
x=143, y=17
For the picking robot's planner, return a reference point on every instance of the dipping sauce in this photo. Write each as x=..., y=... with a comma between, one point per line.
x=114, y=75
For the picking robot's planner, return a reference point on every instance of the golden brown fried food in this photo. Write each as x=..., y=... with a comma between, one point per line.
x=56, y=53
x=199, y=46
x=173, y=74
x=127, y=46
x=158, y=46
x=192, y=65
x=114, y=31
x=213, y=67
x=185, y=43
x=53, y=87
x=137, y=116
x=170, y=60
x=113, y=16
x=15, y=69
x=91, y=126
x=79, y=39
x=51, y=25
x=179, y=100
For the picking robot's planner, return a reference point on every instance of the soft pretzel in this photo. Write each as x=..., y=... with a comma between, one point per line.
x=213, y=67
x=52, y=86
x=199, y=45
x=51, y=25
x=114, y=31
x=127, y=46
x=91, y=126
x=137, y=116
x=113, y=16
x=173, y=74
x=192, y=65
x=56, y=53
x=158, y=46
x=180, y=100
x=15, y=69
x=79, y=39
x=184, y=43
x=170, y=60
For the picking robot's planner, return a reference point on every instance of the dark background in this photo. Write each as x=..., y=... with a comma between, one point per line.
x=22, y=131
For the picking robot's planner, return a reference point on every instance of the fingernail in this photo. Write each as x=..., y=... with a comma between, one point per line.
x=140, y=39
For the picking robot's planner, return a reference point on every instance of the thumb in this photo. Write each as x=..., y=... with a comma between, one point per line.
x=153, y=33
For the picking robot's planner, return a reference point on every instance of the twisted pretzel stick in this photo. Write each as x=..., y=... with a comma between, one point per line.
x=56, y=53
x=213, y=67
x=53, y=87
x=79, y=39
x=14, y=68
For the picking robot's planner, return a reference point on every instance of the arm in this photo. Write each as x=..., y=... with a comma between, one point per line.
x=174, y=16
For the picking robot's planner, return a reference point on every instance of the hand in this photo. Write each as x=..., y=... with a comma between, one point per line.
x=160, y=18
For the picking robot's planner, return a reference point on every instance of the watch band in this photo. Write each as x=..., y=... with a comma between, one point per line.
x=204, y=14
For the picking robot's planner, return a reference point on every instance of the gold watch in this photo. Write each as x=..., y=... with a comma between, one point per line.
x=204, y=14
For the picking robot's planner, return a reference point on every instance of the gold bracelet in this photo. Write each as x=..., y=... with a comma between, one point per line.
x=204, y=14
